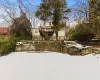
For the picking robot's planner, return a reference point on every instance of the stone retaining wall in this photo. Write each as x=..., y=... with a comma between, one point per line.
x=54, y=46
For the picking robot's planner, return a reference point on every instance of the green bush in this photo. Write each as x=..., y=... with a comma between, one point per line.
x=81, y=33
x=7, y=45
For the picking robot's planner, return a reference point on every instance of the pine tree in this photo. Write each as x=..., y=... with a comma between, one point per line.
x=92, y=12
x=55, y=11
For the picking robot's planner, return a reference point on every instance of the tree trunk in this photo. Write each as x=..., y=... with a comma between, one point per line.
x=57, y=35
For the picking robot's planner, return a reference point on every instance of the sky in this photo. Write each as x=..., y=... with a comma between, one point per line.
x=69, y=2
x=37, y=2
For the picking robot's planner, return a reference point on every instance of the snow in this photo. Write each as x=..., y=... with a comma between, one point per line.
x=49, y=66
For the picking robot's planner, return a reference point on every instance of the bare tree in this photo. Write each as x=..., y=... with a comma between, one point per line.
x=12, y=10
x=29, y=8
x=80, y=11
x=8, y=9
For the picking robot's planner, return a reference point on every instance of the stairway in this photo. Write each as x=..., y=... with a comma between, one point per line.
x=46, y=33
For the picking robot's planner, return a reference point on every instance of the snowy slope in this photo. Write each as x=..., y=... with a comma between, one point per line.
x=49, y=66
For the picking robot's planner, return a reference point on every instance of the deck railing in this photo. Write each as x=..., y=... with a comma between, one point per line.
x=45, y=29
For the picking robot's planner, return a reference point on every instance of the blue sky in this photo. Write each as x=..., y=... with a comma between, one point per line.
x=37, y=2
x=69, y=2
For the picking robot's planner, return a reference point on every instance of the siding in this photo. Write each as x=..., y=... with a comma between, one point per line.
x=4, y=31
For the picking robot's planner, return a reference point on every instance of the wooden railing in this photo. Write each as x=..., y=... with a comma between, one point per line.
x=45, y=29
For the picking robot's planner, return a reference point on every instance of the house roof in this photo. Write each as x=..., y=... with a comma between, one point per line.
x=2, y=25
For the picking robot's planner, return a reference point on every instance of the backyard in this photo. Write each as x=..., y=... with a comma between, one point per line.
x=50, y=40
x=49, y=66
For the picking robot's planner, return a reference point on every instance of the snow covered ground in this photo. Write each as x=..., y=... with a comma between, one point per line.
x=49, y=66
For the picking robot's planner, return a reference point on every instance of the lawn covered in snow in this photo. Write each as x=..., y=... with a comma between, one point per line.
x=49, y=66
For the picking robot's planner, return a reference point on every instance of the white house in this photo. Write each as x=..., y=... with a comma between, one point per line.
x=47, y=26
x=36, y=34
x=62, y=34
x=73, y=24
